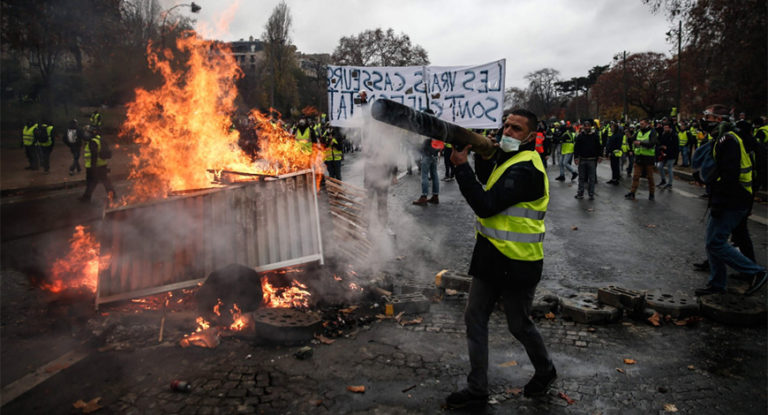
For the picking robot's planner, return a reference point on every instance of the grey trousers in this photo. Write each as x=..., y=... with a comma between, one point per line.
x=517, y=300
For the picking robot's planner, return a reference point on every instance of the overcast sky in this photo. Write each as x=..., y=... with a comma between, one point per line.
x=570, y=36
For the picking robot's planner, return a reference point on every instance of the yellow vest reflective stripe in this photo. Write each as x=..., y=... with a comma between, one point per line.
x=96, y=120
x=644, y=137
x=682, y=136
x=28, y=135
x=518, y=231
x=624, y=144
x=745, y=164
x=567, y=146
x=87, y=153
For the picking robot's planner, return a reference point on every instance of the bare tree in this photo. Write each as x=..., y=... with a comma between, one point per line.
x=514, y=97
x=379, y=48
x=280, y=58
x=542, y=91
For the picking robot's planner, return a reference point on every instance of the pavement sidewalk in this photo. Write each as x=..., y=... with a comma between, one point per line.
x=15, y=179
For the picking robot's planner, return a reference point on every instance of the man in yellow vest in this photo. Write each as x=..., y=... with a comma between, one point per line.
x=96, y=170
x=28, y=141
x=44, y=136
x=730, y=203
x=566, y=154
x=645, y=156
x=305, y=135
x=508, y=256
x=332, y=152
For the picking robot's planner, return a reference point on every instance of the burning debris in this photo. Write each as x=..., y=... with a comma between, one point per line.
x=80, y=268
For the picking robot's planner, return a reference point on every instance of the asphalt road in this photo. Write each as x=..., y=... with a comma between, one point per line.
x=643, y=245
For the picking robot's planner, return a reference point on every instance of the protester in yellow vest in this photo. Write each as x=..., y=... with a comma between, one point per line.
x=305, y=136
x=28, y=141
x=730, y=203
x=645, y=156
x=566, y=154
x=332, y=152
x=44, y=136
x=508, y=256
x=96, y=170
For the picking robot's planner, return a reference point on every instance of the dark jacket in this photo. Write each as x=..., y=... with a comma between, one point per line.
x=614, y=142
x=672, y=143
x=587, y=145
x=727, y=192
x=519, y=183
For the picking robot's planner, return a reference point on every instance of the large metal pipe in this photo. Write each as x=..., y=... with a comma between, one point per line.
x=399, y=115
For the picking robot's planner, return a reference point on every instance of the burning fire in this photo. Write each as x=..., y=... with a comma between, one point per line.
x=80, y=268
x=296, y=295
x=183, y=127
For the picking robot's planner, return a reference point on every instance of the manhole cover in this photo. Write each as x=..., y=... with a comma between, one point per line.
x=675, y=305
x=285, y=325
x=584, y=308
x=733, y=309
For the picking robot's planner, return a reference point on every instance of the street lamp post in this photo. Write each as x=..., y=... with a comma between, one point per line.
x=192, y=6
x=679, y=57
x=624, y=79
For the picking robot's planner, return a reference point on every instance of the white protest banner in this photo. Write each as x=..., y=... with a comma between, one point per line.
x=470, y=96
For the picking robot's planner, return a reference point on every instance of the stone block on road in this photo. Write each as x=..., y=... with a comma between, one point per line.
x=733, y=309
x=452, y=280
x=584, y=308
x=630, y=300
x=544, y=302
x=414, y=303
x=675, y=305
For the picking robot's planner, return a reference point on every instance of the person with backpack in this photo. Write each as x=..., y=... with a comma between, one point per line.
x=730, y=203
x=73, y=138
x=44, y=135
x=96, y=154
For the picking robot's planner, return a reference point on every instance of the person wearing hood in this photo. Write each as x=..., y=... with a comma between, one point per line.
x=509, y=195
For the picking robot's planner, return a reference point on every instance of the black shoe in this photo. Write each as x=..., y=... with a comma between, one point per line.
x=579, y=196
x=574, y=176
x=591, y=197
x=630, y=196
x=708, y=290
x=560, y=178
x=701, y=266
x=663, y=182
x=651, y=196
x=539, y=384
x=464, y=398
x=757, y=282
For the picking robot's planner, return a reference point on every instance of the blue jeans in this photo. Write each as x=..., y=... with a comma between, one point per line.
x=686, y=152
x=667, y=165
x=429, y=170
x=588, y=175
x=720, y=253
x=565, y=163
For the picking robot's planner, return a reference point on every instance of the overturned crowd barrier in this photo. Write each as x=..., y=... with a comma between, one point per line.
x=176, y=242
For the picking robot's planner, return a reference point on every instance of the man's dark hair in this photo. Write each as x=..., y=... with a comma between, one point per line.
x=532, y=119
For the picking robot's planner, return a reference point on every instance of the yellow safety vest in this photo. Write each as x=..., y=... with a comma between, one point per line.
x=764, y=129
x=745, y=168
x=96, y=120
x=624, y=144
x=682, y=136
x=567, y=146
x=49, y=142
x=304, y=140
x=518, y=231
x=28, y=135
x=87, y=154
x=331, y=153
x=644, y=137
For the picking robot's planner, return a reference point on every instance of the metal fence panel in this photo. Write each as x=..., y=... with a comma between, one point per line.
x=176, y=242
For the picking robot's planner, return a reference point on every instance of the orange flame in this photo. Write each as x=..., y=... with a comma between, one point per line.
x=202, y=324
x=240, y=322
x=296, y=295
x=183, y=127
x=80, y=268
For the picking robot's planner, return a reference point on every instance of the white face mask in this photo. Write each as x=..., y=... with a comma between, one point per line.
x=508, y=144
